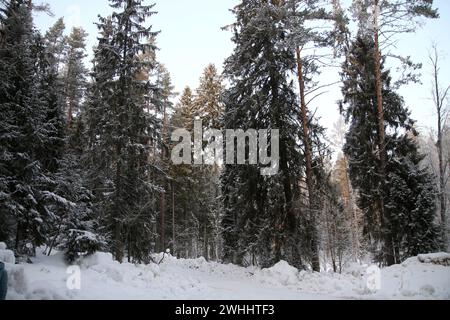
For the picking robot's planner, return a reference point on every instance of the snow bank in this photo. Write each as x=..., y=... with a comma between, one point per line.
x=114, y=273
x=281, y=274
x=411, y=280
x=104, y=264
x=414, y=279
x=25, y=283
x=355, y=269
x=184, y=279
x=440, y=258
x=312, y=283
x=17, y=282
x=6, y=256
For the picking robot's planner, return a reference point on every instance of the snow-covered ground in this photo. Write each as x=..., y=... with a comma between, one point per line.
x=103, y=278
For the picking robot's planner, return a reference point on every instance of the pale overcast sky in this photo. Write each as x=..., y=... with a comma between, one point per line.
x=191, y=37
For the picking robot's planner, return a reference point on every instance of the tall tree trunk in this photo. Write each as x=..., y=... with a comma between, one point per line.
x=17, y=240
x=185, y=226
x=439, y=98
x=129, y=253
x=117, y=219
x=118, y=243
x=351, y=211
x=309, y=168
x=283, y=222
x=173, y=220
x=118, y=250
x=52, y=243
x=69, y=96
x=442, y=195
x=205, y=243
x=162, y=221
x=388, y=250
x=163, y=194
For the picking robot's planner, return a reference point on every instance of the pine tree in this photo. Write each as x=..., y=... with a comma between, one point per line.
x=301, y=13
x=74, y=73
x=55, y=43
x=402, y=230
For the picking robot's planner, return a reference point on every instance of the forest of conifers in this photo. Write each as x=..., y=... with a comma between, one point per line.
x=85, y=152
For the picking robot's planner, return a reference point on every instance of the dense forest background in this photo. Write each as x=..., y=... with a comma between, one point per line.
x=85, y=153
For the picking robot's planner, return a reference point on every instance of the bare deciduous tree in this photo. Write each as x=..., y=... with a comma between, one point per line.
x=440, y=99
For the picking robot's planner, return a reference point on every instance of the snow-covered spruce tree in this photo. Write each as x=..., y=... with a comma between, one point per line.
x=119, y=130
x=62, y=197
x=76, y=228
x=73, y=228
x=49, y=94
x=259, y=222
x=183, y=222
x=210, y=109
x=197, y=187
x=162, y=104
x=207, y=98
x=185, y=111
x=52, y=148
x=381, y=21
x=408, y=192
x=27, y=126
x=82, y=232
x=98, y=118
